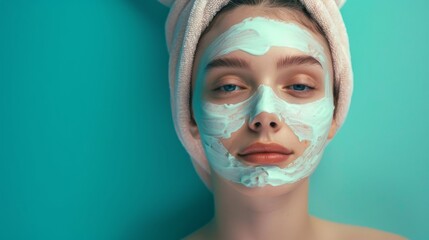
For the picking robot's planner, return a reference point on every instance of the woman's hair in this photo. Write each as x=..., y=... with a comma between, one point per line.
x=298, y=12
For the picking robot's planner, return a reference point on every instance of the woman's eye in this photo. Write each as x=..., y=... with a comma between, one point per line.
x=229, y=88
x=300, y=87
x=301, y=90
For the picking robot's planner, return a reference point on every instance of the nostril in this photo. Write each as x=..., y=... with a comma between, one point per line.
x=257, y=124
x=273, y=124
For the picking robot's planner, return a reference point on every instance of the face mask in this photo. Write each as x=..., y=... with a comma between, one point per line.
x=309, y=121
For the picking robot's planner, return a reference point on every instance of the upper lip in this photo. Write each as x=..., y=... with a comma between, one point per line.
x=265, y=148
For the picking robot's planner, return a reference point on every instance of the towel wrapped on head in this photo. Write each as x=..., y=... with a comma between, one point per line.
x=186, y=22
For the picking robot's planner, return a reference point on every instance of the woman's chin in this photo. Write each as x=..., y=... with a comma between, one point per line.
x=267, y=191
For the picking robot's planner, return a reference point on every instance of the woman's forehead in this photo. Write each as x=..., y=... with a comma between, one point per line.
x=225, y=21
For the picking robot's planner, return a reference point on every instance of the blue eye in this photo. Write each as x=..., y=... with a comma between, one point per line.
x=229, y=88
x=300, y=87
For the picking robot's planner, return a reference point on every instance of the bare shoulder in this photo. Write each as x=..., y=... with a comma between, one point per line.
x=334, y=230
x=200, y=234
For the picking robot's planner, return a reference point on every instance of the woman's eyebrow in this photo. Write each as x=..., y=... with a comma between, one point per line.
x=283, y=62
x=297, y=60
x=227, y=62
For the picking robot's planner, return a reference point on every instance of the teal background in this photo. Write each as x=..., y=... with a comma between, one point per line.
x=88, y=149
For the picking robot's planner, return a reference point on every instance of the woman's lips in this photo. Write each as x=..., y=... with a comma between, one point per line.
x=261, y=153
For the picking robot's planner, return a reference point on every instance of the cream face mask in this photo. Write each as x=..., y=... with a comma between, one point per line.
x=308, y=121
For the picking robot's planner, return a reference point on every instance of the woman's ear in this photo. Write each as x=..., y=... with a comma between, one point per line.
x=194, y=128
x=333, y=129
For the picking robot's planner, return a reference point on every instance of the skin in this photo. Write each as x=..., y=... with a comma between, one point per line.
x=266, y=212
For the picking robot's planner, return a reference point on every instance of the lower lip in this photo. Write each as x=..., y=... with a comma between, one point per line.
x=265, y=158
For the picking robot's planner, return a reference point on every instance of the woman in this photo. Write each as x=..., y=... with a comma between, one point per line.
x=258, y=90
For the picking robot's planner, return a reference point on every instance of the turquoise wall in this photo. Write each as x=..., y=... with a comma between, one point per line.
x=88, y=149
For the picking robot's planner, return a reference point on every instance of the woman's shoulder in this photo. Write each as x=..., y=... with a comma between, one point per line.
x=325, y=230
x=333, y=230
x=201, y=233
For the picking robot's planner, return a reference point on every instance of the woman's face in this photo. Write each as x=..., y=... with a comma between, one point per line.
x=262, y=97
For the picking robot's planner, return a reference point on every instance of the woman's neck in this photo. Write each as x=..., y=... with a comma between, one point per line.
x=262, y=213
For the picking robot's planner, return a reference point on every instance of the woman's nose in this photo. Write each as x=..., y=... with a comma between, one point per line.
x=265, y=122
